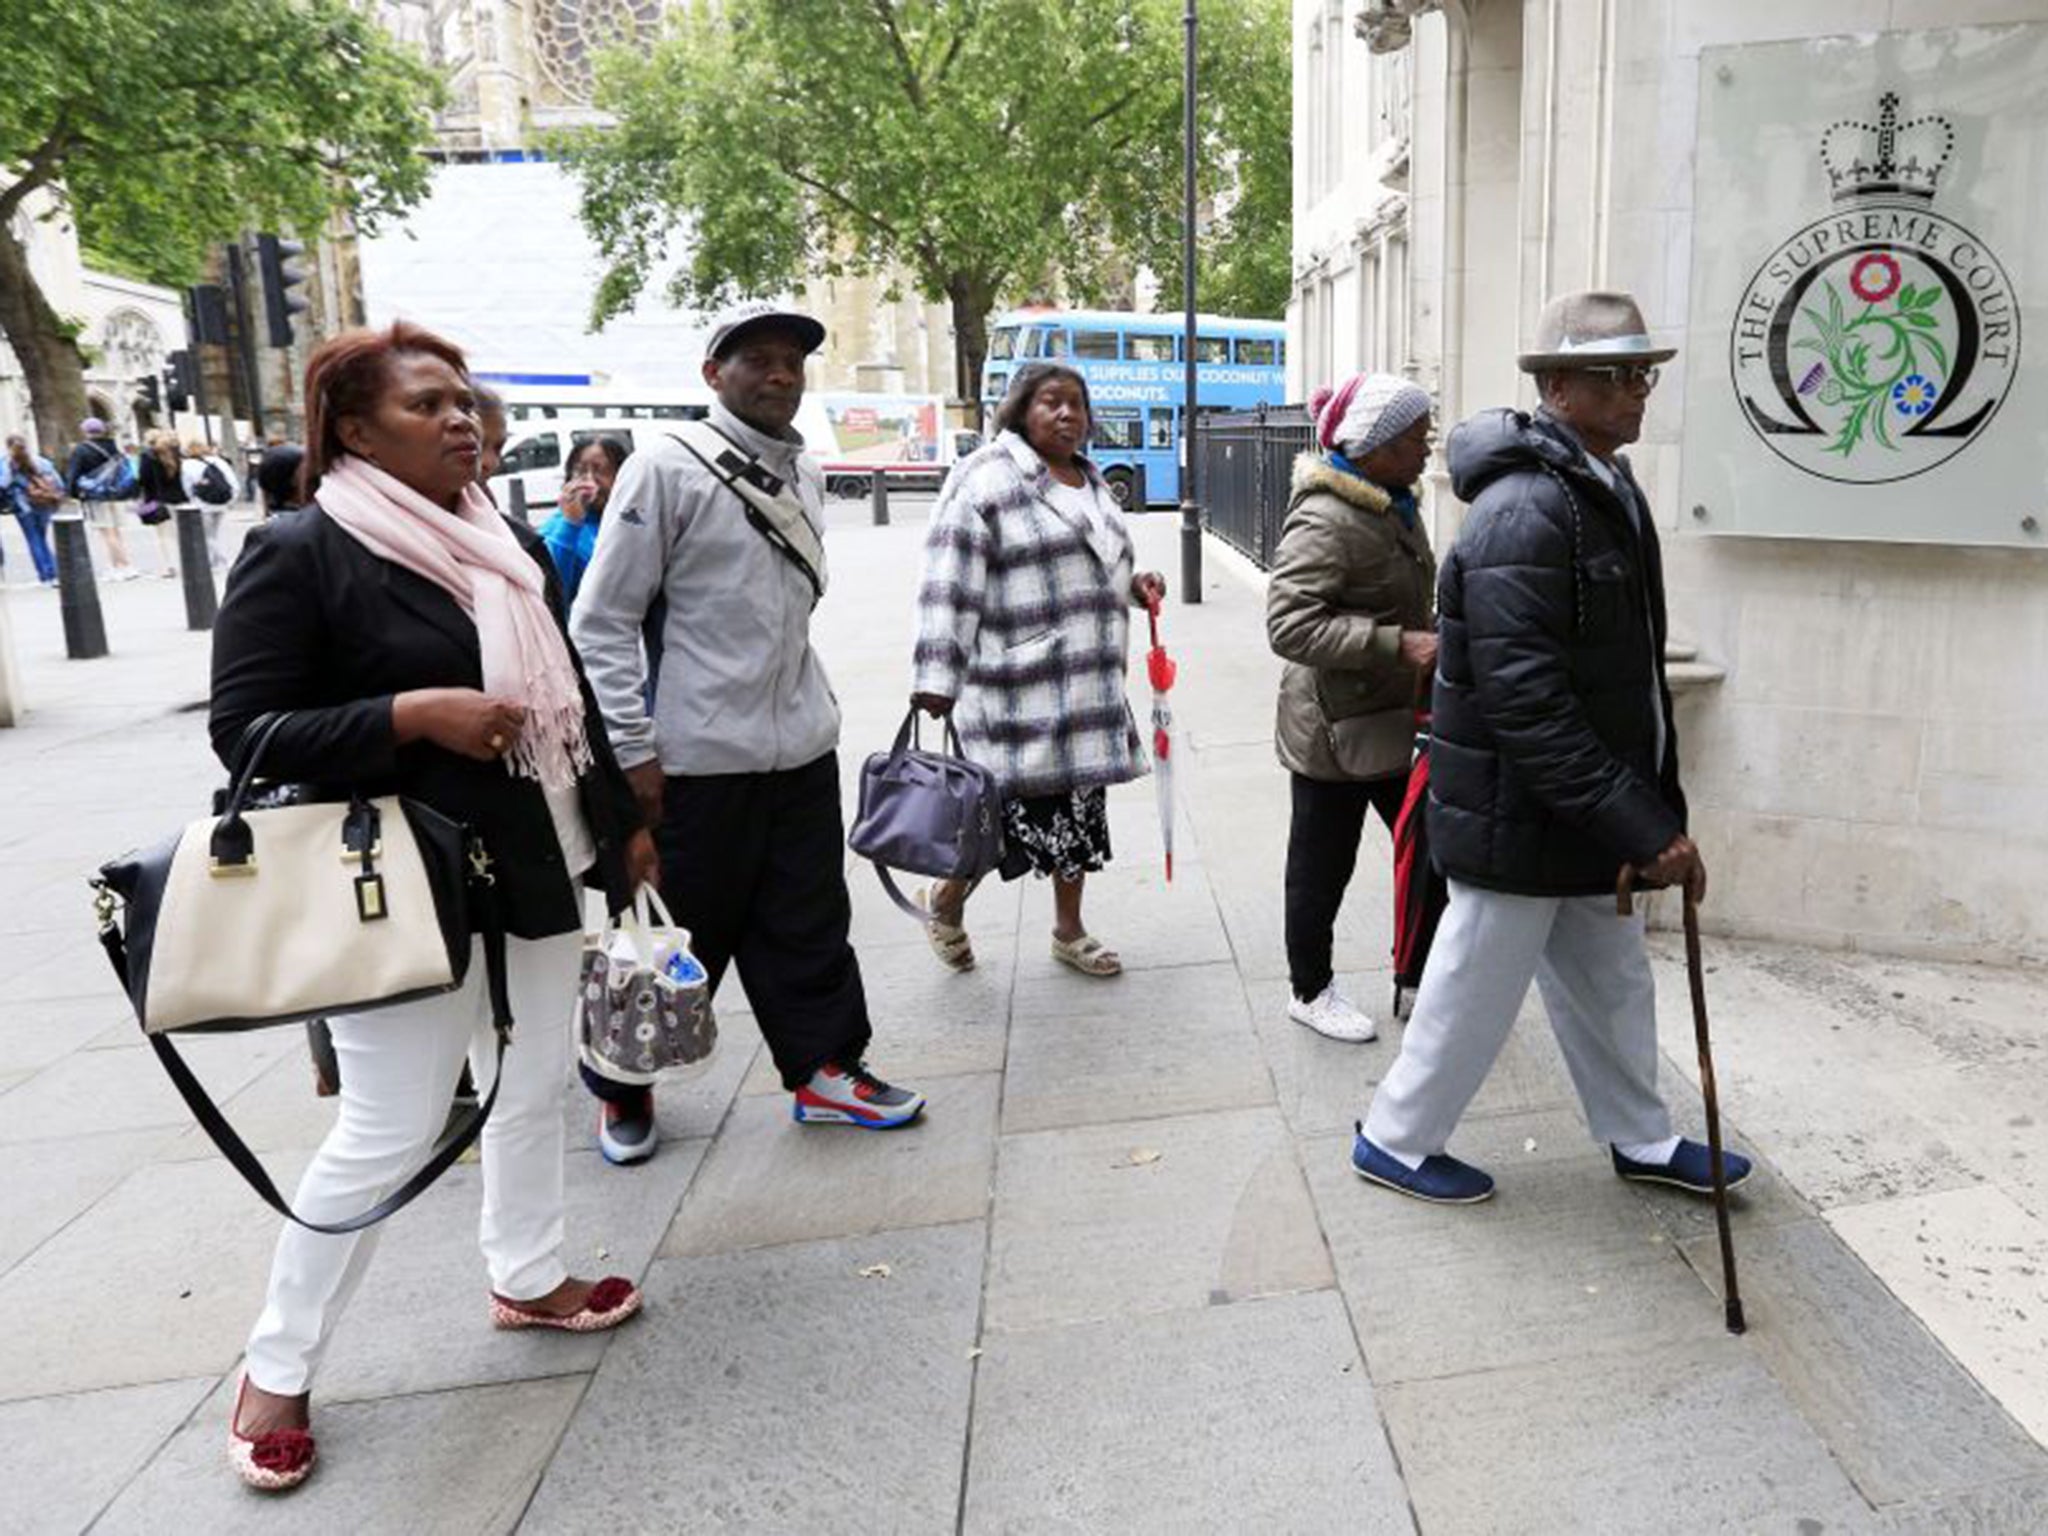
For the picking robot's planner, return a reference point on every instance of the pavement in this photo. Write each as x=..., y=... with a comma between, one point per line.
x=1121, y=1279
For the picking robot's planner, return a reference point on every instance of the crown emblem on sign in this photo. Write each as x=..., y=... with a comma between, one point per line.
x=1887, y=156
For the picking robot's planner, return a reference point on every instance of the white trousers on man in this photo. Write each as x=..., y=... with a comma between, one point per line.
x=1595, y=978
x=399, y=1067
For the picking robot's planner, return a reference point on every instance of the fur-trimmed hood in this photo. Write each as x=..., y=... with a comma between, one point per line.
x=1314, y=473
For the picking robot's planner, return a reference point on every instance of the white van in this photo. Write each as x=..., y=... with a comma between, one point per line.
x=851, y=436
x=537, y=452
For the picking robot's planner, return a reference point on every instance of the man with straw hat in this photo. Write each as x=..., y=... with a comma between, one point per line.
x=1553, y=765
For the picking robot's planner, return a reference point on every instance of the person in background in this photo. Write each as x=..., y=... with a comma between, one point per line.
x=102, y=514
x=1348, y=609
x=159, y=474
x=571, y=534
x=497, y=426
x=277, y=477
x=414, y=638
x=29, y=487
x=210, y=483
x=1023, y=632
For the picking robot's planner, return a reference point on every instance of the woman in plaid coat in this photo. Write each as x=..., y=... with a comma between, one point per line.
x=1023, y=623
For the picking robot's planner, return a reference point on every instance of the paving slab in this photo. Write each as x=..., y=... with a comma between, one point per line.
x=277, y=1111
x=1087, y=1049
x=783, y=1389
x=770, y=1180
x=90, y=1093
x=62, y=1459
x=1903, y=1419
x=34, y=1035
x=159, y=1280
x=454, y=1463
x=929, y=1022
x=1974, y=1265
x=1107, y=1221
x=421, y=1322
x=1144, y=1425
x=1693, y=1438
x=1131, y=908
x=49, y=1184
x=1810, y=1078
x=2000, y=1510
x=1563, y=1260
x=1995, y=1116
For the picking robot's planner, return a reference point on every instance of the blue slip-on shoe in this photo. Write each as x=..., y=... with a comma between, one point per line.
x=1441, y=1179
x=1691, y=1168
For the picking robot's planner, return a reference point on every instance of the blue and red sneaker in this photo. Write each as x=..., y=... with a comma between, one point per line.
x=853, y=1095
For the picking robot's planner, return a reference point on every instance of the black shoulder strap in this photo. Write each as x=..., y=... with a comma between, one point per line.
x=236, y=1151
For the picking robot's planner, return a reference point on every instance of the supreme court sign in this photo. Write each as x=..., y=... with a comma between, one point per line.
x=1867, y=350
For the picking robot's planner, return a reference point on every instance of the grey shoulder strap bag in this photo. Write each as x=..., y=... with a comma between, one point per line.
x=931, y=813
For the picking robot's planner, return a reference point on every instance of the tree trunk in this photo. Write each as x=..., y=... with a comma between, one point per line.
x=50, y=359
x=972, y=298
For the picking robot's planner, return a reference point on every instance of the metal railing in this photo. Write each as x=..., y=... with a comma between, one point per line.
x=1244, y=466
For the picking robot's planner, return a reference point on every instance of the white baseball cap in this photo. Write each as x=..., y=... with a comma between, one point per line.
x=756, y=314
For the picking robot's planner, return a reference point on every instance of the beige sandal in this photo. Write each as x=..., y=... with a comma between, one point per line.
x=1088, y=955
x=948, y=940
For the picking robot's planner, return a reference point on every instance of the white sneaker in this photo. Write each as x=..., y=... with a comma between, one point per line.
x=1334, y=1016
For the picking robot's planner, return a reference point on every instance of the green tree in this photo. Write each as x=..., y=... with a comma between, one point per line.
x=163, y=126
x=989, y=148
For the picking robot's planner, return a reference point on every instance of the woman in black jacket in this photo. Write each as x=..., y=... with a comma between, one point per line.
x=160, y=481
x=416, y=639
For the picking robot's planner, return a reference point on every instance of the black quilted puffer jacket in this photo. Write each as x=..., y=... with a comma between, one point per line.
x=1544, y=771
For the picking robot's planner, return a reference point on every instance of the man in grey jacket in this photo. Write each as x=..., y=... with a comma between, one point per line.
x=736, y=765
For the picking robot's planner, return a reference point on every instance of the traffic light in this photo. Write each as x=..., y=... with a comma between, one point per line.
x=184, y=369
x=281, y=274
x=152, y=392
x=210, y=313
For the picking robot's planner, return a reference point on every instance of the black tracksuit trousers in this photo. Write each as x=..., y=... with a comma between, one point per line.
x=1322, y=851
x=754, y=865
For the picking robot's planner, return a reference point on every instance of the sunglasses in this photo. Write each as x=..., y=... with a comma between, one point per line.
x=1627, y=375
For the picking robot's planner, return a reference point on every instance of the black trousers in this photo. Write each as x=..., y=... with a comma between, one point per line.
x=754, y=865
x=1322, y=851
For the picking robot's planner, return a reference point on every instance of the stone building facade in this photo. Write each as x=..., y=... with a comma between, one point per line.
x=1864, y=721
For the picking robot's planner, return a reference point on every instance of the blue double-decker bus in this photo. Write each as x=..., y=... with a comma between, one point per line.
x=1137, y=380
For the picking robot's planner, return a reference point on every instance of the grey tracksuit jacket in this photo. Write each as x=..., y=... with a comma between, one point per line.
x=740, y=690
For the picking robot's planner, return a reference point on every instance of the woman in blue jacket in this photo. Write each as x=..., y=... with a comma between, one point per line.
x=571, y=534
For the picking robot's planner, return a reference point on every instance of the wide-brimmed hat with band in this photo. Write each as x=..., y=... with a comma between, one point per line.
x=1591, y=330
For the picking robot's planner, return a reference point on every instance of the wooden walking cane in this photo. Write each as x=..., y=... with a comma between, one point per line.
x=1624, y=888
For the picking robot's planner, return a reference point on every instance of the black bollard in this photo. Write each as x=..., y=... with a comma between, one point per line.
x=195, y=566
x=878, y=493
x=78, y=592
x=1190, y=551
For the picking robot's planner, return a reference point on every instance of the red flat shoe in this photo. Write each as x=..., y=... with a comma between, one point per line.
x=270, y=1462
x=611, y=1301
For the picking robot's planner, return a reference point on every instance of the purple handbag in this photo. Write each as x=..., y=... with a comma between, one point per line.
x=930, y=813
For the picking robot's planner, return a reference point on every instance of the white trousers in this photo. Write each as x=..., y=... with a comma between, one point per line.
x=1597, y=988
x=399, y=1068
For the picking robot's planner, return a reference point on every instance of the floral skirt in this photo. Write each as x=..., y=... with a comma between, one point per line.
x=1064, y=834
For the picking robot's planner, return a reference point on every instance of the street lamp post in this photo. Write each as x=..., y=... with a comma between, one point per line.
x=1190, y=508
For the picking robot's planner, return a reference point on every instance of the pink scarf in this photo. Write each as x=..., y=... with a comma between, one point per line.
x=472, y=555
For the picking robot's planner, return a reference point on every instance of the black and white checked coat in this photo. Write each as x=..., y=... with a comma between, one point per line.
x=1023, y=618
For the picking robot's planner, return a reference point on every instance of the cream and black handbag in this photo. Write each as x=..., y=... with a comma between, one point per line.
x=282, y=909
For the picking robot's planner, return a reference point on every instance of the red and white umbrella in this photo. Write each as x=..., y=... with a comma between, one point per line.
x=1161, y=668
